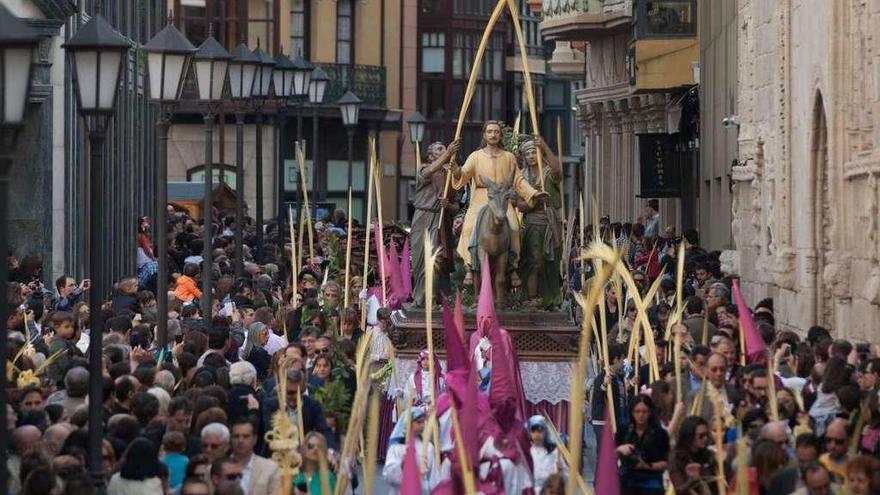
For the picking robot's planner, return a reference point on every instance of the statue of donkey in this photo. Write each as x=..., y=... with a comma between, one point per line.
x=494, y=236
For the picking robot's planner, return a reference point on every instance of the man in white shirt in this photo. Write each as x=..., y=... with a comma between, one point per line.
x=259, y=476
x=652, y=218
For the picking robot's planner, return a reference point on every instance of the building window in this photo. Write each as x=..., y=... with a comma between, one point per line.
x=299, y=29
x=433, y=6
x=261, y=26
x=433, y=53
x=433, y=99
x=488, y=98
x=343, y=31
x=194, y=20
x=531, y=33
x=665, y=19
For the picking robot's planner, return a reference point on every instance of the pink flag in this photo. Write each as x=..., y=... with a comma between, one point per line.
x=468, y=415
x=755, y=347
x=392, y=270
x=607, y=479
x=412, y=478
x=456, y=353
x=406, y=271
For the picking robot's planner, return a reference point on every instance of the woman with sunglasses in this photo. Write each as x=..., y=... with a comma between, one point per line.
x=692, y=467
x=621, y=332
x=643, y=448
x=308, y=481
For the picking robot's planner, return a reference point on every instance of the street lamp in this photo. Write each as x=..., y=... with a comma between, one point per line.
x=416, y=133
x=349, y=107
x=317, y=87
x=242, y=71
x=17, y=44
x=302, y=75
x=169, y=54
x=211, y=62
x=262, y=84
x=96, y=53
x=282, y=78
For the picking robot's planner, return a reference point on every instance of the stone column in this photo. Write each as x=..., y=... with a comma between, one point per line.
x=618, y=181
x=627, y=164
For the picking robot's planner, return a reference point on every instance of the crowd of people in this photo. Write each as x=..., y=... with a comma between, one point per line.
x=192, y=418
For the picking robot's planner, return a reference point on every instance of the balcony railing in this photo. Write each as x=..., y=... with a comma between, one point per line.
x=582, y=20
x=366, y=81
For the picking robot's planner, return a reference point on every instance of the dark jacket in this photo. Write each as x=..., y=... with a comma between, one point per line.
x=59, y=367
x=313, y=417
x=125, y=301
x=237, y=405
x=261, y=361
x=599, y=399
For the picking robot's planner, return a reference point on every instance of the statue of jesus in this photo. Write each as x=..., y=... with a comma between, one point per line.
x=493, y=162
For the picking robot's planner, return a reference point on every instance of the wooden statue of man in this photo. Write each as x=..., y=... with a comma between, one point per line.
x=491, y=161
x=429, y=206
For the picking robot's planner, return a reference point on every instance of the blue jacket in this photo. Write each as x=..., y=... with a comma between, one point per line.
x=67, y=303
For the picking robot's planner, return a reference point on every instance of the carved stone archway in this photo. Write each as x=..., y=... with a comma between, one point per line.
x=822, y=219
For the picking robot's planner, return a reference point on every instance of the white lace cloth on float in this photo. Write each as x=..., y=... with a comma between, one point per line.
x=542, y=381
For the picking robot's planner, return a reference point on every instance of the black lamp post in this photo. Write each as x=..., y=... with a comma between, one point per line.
x=416, y=134
x=242, y=69
x=169, y=54
x=282, y=80
x=317, y=87
x=17, y=44
x=261, y=90
x=349, y=107
x=211, y=63
x=302, y=75
x=416, y=130
x=97, y=53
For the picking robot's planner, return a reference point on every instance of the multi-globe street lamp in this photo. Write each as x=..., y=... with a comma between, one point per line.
x=242, y=72
x=211, y=63
x=317, y=87
x=97, y=53
x=261, y=92
x=349, y=107
x=17, y=44
x=169, y=55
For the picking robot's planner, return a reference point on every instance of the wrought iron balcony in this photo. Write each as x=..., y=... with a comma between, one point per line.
x=583, y=20
x=366, y=81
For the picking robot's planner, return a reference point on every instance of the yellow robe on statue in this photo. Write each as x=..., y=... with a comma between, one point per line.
x=497, y=169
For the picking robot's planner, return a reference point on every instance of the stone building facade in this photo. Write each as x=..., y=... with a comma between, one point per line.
x=806, y=189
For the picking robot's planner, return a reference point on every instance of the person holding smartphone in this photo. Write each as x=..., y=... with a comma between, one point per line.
x=69, y=292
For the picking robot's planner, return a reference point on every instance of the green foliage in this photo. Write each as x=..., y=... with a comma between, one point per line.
x=509, y=140
x=335, y=398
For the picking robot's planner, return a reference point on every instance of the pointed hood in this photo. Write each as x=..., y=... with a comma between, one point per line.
x=456, y=354
x=459, y=316
x=406, y=270
x=486, y=316
x=755, y=348
x=607, y=479
x=412, y=478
